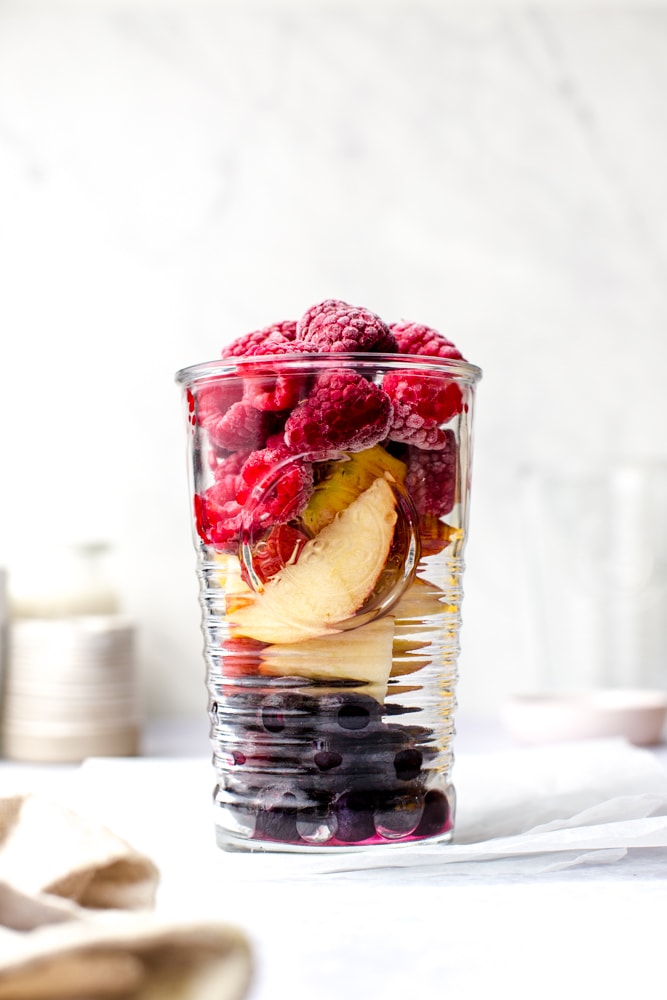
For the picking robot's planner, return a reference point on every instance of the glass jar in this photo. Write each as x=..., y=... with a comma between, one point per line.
x=330, y=561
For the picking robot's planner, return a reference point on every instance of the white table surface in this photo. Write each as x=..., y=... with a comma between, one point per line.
x=462, y=931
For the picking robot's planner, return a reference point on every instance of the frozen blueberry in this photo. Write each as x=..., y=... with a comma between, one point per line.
x=354, y=813
x=353, y=716
x=327, y=759
x=346, y=711
x=289, y=713
x=435, y=816
x=273, y=719
x=316, y=824
x=397, y=816
x=276, y=819
x=407, y=764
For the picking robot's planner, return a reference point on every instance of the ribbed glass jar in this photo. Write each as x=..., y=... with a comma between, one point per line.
x=330, y=511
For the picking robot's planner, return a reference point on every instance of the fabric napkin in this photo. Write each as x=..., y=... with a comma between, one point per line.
x=76, y=920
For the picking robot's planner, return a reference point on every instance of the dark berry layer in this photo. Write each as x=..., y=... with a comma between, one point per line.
x=325, y=770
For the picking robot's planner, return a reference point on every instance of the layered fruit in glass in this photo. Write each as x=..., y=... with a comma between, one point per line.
x=330, y=463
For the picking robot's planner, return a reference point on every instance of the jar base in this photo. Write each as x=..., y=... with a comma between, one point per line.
x=436, y=826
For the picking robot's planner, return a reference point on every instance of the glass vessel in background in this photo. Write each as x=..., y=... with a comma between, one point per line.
x=330, y=585
x=596, y=547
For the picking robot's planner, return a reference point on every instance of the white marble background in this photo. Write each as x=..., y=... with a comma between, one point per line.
x=173, y=174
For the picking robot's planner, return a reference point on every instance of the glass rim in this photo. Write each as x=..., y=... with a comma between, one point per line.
x=234, y=367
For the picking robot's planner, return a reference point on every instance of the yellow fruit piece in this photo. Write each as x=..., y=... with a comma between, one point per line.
x=362, y=654
x=348, y=479
x=404, y=659
x=334, y=575
x=421, y=600
x=414, y=625
x=229, y=576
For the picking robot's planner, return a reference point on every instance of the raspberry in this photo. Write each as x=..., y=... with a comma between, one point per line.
x=328, y=305
x=280, y=547
x=242, y=346
x=217, y=512
x=343, y=412
x=279, y=484
x=421, y=403
x=415, y=338
x=226, y=471
x=409, y=428
x=275, y=344
x=218, y=519
x=431, y=477
x=280, y=390
x=230, y=422
x=240, y=428
x=337, y=326
x=214, y=400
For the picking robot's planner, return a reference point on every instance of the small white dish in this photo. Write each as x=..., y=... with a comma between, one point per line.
x=635, y=714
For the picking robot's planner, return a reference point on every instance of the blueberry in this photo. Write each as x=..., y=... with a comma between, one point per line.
x=272, y=719
x=407, y=764
x=397, y=816
x=288, y=712
x=347, y=711
x=276, y=820
x=327, y=759
x=354, y=813
x=353, y=717
x=435, y=816
x=316, y=824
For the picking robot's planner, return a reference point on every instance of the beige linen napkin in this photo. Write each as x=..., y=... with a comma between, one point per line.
x=75, y=920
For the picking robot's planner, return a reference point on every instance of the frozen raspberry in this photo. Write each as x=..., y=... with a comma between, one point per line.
x=415, y=338
x=343, y=412
x=274, y=486
x=218, y=518
x=252, y=492
x=431, y=477
x=276, y=344
x=227, y=473
x=240, y=428
x=230, y=422
x=280, y=389
x=409, y=428
x=217, y=512
x=421, y=402
x=339, y=327
x=243, y=345
x=328, y=305
x=214, y=400
x=280, y=547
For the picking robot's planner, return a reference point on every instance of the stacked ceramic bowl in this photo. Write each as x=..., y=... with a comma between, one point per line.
x=70, y=689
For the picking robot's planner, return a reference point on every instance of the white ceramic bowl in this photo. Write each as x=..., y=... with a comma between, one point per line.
x=637, y=715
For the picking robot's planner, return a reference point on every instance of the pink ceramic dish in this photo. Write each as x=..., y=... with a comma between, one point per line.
x=637, y=715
